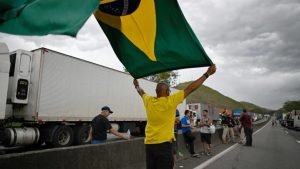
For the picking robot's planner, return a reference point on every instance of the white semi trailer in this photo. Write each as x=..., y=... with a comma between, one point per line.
x=55, y=96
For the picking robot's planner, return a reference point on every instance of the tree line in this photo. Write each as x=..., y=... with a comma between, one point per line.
x=170, y=76
x=290, y=105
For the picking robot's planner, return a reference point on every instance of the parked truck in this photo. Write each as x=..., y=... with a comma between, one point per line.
x=297, y=119
x=55, y=96
x=197, y=109
x=293, y=119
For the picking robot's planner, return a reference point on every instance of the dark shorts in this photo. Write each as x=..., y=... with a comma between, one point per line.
x=175, y=145
x=159, y=156
x=206, y=137
x=188, y=137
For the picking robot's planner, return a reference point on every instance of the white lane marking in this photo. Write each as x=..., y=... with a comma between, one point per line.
x=261, y=128
x=286, y=132
x=298, y=141
x=216, y=157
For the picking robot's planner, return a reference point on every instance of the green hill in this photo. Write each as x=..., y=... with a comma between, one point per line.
x=208, y=95
x=254, y=108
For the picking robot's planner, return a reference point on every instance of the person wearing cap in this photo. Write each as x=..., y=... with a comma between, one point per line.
x=100, y=126
x=160, y=110
x=187, y=132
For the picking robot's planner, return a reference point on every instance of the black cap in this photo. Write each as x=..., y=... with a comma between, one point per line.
x=106, y=108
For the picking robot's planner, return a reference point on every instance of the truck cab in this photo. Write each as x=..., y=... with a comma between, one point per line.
x=15, y=71
x=296, y=119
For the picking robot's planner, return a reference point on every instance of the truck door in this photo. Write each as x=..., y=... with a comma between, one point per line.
x=21, y=76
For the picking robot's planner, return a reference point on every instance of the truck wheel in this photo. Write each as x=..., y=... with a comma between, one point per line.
x=62, y=137
x=81, y=134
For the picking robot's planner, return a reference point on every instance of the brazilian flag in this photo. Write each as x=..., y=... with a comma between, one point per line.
x=150, y=36
x=42, y=17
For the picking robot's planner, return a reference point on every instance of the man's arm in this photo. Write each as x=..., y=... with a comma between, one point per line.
x=210, y=121
x=184, y=123
x=251, y=123
x=138, y=88
x=241, y=118
x=197, y=83
x=202, y=123
x=116, y=133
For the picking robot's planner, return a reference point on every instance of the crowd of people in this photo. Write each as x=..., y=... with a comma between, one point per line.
x=160, y=110
x=163, y=123
x=240, y=126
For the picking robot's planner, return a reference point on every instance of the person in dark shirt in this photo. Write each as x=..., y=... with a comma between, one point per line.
x=231, y=125
x=225, y=123
x=100, y=126
x=247, y=125
x=188, y=136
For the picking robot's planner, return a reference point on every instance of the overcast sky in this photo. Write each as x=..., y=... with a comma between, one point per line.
x=255, y=44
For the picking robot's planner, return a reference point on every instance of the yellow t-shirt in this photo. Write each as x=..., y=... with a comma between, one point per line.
x=161, y=117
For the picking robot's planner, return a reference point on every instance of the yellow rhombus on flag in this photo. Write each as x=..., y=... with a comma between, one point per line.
x=150, y=36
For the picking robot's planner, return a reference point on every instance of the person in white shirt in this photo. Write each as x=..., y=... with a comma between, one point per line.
x=205, y=123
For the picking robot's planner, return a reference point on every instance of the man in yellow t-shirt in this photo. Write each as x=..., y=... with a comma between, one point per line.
x=160, y=120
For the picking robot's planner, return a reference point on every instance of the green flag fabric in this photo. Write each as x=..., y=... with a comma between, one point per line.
x=42, y=17
x=150, y=36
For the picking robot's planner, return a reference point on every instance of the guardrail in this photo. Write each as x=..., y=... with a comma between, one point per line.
x=114, y=155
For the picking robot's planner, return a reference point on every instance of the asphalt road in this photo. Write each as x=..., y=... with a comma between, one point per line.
x=273, y=148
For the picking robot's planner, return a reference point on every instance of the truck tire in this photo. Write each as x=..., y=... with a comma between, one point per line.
x=62, y=137
x=81, y=134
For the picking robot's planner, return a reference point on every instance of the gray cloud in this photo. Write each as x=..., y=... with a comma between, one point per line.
x=259, y=25
x=256, y=45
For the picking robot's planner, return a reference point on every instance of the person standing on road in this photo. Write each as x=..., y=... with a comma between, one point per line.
x=248, y=127
x=231, y=125
x=100, y=126
x=187, y=127
x=160, y=120
x=224, y=123
x=205, y=123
